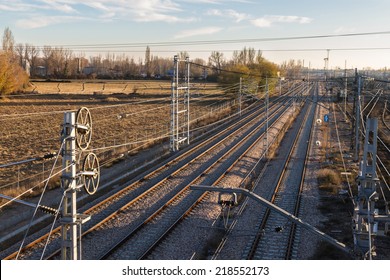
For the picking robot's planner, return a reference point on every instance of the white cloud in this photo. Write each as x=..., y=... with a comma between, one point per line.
x=228, y=13
x=236, y=15
x=39, y=21
x=261, y=22
x=53, y=11
x=196, y=32
x=268, y=21
x=219, y=2
x=344, y=30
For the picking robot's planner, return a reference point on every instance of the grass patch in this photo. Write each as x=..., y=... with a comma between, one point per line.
x=329, y=180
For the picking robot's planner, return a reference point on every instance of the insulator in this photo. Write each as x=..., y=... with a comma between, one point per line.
x=48, y=210
x=50, y=155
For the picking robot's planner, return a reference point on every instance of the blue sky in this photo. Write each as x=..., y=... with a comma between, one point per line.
x=75, y=22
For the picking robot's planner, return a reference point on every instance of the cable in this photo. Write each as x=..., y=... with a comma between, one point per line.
x=53, y=224
x=342, y=157
x=383, y=116
x=40, y=199
x=126, y=144
x=213, y=42
x=383, y=177
x=12, y=116
x=374, y=96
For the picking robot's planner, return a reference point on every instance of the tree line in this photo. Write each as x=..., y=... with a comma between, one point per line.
x=61, y=63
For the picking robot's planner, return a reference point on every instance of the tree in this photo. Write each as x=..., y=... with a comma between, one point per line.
x=47, y=55
x=8, y=41
x=31, y=54
x=147, y=62
x=20, y=54
x=216, y=60
x=12, y=76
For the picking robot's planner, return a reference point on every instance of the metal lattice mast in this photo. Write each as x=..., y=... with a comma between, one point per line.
x=366, y=217
x=365, y=227
x=180, y=105
x=173, y=104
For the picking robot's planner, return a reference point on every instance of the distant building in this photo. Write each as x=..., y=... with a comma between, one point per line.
x=40, y=71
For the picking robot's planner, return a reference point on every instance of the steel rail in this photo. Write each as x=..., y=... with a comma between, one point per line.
x=254, y=245
x=184, y=189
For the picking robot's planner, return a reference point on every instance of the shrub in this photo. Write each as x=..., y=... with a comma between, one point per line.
x=329, y=180
x=12, y=76
x=328, y=176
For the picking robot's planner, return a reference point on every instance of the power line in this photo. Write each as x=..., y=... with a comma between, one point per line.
x=232, y=50
x=214, y=42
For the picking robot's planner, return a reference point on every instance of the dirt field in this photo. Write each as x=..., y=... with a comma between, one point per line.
x=125, y=115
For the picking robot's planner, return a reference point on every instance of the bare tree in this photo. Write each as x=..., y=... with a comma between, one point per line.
x=20, y=52
x=216, y=60
x=148, y=62
x=47, y=55
x=31, y=54
x=8, y=41
x=251, y=56
x=67, y=57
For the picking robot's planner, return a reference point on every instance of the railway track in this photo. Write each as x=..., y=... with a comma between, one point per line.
x=256, y=226
x=275, y=238
x=142, y=185
x=215, y=174
x=161, y=222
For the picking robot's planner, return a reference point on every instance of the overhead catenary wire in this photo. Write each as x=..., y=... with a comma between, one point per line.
x=139, y=112
x=53, y=224
x=342, y=157
x=363, y=132
x=26, y=179
x=40, y=199
x=26, y=115
x=47, y=113
x=144, y=141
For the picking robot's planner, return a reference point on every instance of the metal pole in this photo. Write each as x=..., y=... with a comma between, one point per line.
x=69, y=212
x=174, y=86
x=357, y=120
x=172, y=125
x=345, y=91
x=280, y=86
x=177, y=128
x=267, y=113
x=328, y=129
x=239, y=98
x=188, y=97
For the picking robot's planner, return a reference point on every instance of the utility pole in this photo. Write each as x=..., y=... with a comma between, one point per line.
x=345, y=90
x=353, y=112
x=240, y=97
x=280, y=86
x=326, y=59
x=357, y=119
x=267, y=114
